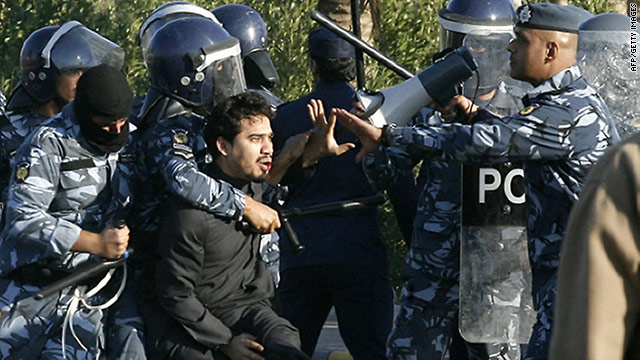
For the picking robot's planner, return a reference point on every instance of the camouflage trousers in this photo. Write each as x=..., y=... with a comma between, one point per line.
x=425, y=331
x=426, y=326
x=33, y=329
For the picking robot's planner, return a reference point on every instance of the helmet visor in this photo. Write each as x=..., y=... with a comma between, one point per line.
x=80, y=48
x=228, y=79
x=490, y=52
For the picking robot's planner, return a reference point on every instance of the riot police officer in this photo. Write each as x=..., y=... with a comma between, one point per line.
x=52, y=60
x=65, y=190
x=246, y=24
x=427, y=323
x=563, y=130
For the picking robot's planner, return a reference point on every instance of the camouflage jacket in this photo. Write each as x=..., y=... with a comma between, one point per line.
x=14, y=128
x=60, y=185
x=169, y=155
x=562, y=131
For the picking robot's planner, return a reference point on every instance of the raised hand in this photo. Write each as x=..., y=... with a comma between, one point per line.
x=369, y=135
x=322, y=141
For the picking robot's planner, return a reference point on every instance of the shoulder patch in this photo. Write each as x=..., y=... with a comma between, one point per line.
x=528, y=110
x=22, y=171
x=180, y=136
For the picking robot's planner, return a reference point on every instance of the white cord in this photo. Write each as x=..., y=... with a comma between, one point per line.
x=78, y=297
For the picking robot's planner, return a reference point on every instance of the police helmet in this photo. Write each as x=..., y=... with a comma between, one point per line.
x=61, y=49
x=165, y=13
x=247, y=25
x=462, y=17
x=485, y=27
x=195, y=61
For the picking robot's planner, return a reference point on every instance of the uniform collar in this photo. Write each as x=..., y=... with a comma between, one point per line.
x=557, y=82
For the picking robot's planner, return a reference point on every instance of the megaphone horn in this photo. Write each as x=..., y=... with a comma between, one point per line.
x=397, y=104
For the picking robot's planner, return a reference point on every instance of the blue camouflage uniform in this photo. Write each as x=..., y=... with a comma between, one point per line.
x=563, y=130
x=14, y=127
x=59, y=187
x=169, y=155
x=426, y=326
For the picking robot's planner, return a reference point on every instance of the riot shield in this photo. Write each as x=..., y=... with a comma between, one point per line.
x=495, y=276
x=607, y=62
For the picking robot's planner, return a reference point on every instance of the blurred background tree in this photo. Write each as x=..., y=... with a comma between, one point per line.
x=406, y=30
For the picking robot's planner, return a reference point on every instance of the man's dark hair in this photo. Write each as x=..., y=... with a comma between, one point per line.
x=225, y=118
x=333, y=70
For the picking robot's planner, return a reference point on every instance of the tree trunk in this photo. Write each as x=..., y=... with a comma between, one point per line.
x=340, y=12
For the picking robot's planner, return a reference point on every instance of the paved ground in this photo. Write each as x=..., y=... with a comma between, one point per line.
x=330, y=345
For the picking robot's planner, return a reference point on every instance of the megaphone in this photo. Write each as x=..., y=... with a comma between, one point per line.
x=397, y=104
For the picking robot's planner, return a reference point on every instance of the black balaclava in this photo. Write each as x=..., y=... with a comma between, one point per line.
x=103, y=91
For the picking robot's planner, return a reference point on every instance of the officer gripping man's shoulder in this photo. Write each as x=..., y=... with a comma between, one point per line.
x=171, y=147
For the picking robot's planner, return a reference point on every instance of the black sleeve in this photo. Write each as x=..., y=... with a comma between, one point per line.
x=181, y=254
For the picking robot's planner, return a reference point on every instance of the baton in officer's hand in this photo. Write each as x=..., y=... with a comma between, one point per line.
x=296, y=246
x=82, y=273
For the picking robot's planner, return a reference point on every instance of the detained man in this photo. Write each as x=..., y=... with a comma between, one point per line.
x=212, y=289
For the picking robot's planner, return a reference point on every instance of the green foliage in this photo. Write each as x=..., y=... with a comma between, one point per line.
x=408, y=33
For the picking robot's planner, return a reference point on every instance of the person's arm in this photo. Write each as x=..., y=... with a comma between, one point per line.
x=181, y=250
x=176, y=161
x=598, y=302
x=290, y=154
x=33, y=185
x=173, y=155
x=302, y=151
x=546, y=132
x=322, y=141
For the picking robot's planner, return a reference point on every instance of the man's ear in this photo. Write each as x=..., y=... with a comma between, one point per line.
x=222, y=145
x=552, y=51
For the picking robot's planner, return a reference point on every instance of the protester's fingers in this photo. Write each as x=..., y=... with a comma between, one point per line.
x=312, y=114
x=332, y=119
x=343, y=148
x=253, y=345
x=321, y=113
x=361, y=154
x=347, y=119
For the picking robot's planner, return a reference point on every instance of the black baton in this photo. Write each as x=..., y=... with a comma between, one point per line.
x=376, y=54
x=81, y=273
